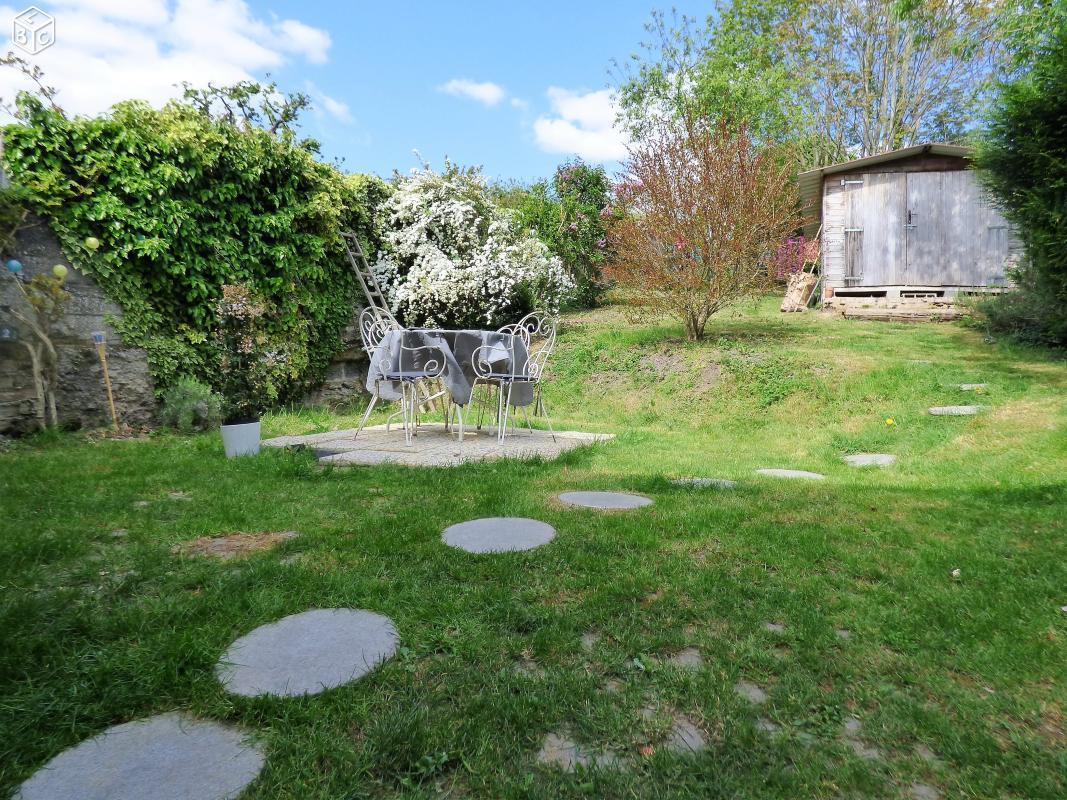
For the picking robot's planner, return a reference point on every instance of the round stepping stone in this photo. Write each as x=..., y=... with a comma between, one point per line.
x=751, y=692
x=685, y=737
x=792, y=473
x=687, y=658
x=498, y=534
x=954, y=411
x=307, y=653
x=167, y=757
x=923, y=791
x=718, y=483
x=605, y=500
x=870, y=459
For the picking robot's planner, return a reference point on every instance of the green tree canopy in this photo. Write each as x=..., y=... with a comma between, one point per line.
x=834, y=78
x=1024, y=157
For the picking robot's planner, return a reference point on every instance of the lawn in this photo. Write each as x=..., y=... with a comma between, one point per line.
x=955, y=683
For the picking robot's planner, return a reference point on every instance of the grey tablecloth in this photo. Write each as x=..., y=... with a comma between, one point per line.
x=458, y=349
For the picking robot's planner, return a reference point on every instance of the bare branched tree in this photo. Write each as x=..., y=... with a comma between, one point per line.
x=35, y=75
x=705, y=210
x=836, y=78
x=249, y=104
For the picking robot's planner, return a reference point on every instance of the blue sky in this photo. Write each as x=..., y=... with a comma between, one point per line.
x=389, y=60
x=515, y=86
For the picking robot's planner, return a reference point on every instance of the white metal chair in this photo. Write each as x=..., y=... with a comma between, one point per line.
x=414, y=364
x=536, y=332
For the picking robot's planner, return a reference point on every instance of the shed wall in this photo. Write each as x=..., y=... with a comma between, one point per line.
x=945, y=231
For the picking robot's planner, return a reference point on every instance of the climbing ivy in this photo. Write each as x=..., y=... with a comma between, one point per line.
x=180, y=203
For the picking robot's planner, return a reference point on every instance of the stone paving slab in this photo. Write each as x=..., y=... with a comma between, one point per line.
x=870, y=459
x=954, y=411
x=685, y=738
x=791, y=473
x=562, y=752
x=434, y=446
x=611, y=501
x=498, y=534
x=971, y=387
x=307, y=653
x=750, y=692
x=167, y=757
x=718, y=483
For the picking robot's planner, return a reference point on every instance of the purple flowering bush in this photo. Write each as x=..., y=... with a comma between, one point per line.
x=572, y=214
x=793, y=255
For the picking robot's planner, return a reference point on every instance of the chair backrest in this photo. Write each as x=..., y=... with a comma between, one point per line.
x=373, y=328
x=537, y=330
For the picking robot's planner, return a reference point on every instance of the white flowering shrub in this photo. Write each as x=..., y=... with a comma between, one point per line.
x=451, y=258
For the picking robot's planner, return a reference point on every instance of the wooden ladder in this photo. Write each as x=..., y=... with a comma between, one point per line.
x=376, y=302
x=368, y=281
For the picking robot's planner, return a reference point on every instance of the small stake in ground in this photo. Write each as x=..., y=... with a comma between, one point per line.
x=101, y=350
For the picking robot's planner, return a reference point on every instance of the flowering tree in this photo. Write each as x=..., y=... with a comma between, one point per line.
x=705, y=211
x=450, y=257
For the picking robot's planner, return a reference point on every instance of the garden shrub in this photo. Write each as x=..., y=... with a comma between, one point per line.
x=255, y=362
x=1024, y=158
x=706, y=211
x=572, y=216
x=451, y=257
x=190, y=406
x=180, y=203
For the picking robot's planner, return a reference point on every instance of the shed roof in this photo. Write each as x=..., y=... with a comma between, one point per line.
x=810, y=183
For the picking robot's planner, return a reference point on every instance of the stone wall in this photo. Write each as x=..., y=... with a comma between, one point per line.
x=347, y=374
x=81, y=399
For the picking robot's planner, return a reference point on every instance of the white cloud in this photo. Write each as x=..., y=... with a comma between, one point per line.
x=112, y=50
x=322, y=102
x=581, y=124
x=312, y=43
x=486, y=92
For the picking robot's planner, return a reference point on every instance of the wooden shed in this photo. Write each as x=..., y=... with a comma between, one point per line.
x=909, y=223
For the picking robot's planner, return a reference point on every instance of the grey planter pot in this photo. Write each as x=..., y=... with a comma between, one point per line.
x=241, y=440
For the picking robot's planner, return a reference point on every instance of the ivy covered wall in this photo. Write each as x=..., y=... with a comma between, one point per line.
x=162, y=207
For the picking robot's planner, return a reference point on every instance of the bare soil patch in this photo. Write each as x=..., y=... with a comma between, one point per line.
x=234, y=545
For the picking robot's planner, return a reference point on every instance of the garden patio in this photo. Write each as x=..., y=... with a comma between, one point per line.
x=887, y=631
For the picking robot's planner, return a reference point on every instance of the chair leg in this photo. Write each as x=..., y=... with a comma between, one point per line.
x=503, y=429
x=529, y=424
x=483, y=402
x=499, y=411
x=459, y=414
x=389, y=419
x=409, y=411
x=366, y=414
x=548, y=420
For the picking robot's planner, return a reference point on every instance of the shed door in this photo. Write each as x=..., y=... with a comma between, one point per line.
x=955, y=236
x=925, y=226
x=874, y=242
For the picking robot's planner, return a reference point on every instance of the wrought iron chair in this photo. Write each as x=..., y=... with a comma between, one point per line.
x=414, y=364
x=536, y=332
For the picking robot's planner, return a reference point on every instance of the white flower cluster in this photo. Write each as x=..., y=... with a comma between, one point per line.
x=452, y=258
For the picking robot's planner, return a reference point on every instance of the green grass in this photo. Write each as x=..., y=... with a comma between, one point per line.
x=98, y=630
